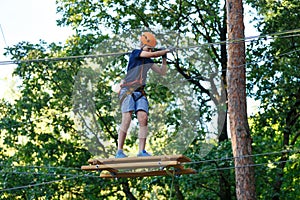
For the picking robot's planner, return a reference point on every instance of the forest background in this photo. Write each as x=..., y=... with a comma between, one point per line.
x=64, y=111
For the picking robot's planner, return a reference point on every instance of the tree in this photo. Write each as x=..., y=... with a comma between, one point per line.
x=274, y=81
x=36, y=127
x=236, y=79
x=204, y=21
x=39, y=137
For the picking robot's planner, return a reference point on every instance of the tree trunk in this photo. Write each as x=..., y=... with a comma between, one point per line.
x=291, y=119
x=126, y=190
x=224, y=136
x=224, y=176
x=237, y=108
x=179, y=194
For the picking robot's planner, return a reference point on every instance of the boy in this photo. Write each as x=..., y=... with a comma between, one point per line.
x=132, y=94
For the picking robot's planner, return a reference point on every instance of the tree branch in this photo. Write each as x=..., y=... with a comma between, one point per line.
x=295, y=138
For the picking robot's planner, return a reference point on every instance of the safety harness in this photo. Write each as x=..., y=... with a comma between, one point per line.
x=134, y=86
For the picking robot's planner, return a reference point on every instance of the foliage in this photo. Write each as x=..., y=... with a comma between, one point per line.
x=49, y=92
x=274, y=81
x=42, y=141
x=36, y=128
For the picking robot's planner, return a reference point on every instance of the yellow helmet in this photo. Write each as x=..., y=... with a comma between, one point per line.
x=148, y=38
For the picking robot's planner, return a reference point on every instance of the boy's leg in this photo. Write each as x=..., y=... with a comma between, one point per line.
x=126, y=120
x=143, y=130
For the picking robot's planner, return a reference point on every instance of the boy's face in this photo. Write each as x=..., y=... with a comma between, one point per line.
x=148, y=48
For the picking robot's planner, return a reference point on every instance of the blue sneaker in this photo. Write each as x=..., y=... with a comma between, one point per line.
x=120, y=154
x=143, y=153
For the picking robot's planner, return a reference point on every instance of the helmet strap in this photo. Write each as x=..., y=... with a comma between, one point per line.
x=143, y=46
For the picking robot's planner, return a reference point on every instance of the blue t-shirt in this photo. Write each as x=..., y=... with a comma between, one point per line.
x=138, y=67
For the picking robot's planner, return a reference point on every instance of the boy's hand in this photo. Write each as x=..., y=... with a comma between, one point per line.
x=160, y=49
x=171, y=49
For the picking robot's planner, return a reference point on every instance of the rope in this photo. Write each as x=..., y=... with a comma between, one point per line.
x=245, y=166
x=246, y=39
x=54, y=174
x=172, y=82
x=3, y=35
x=172, y=182
x=196, y=162
x=8, y=62
x=78, y=176
x=39, y=184
x=190, y=163
x=245, y=156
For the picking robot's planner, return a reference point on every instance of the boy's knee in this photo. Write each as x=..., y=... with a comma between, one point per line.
x=142, y=118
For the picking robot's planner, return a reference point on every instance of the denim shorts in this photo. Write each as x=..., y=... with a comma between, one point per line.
x=135, y=101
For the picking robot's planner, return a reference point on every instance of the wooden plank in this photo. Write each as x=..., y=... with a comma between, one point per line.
x=179, y=158
x=164, y=163
x=96, y=168
x=137, y=165
x=148, y=173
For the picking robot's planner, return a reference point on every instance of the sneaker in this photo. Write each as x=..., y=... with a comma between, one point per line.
x=120, y=154
x=143, y=153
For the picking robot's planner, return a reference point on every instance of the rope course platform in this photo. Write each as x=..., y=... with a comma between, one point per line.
x=132, y=167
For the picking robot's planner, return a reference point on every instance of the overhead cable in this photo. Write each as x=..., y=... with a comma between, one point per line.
x=90, y=176
x=246, y=39
x=172, y=82
x=189, y=163
x=39, y=184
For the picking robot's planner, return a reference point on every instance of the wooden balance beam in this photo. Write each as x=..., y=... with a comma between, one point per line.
x=146, y=166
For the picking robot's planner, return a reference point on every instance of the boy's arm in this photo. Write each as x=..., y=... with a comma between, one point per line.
x=155, y=54
x=160, y=70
